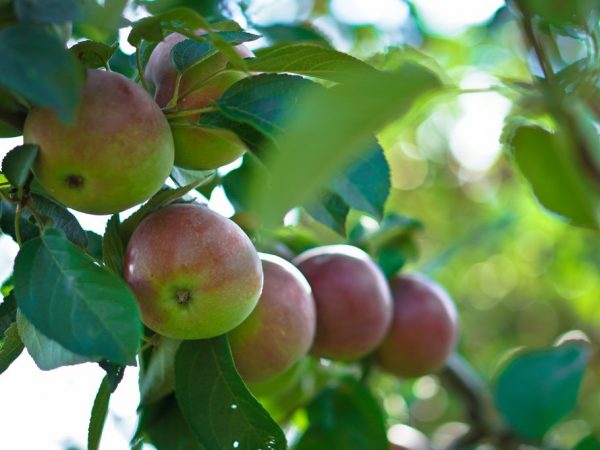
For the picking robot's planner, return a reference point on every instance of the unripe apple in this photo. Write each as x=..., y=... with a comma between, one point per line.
x=196, y=147
x=353, y=300
x=195, y=274
x=116, y=154
x=424, y=328
x=204, y=147
x=281, y=328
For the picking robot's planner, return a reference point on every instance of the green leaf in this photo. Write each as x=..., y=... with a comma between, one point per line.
x=10, y=347
x=34, y=63
x=152, y=28
x=163, y=198
x=8, y=312
x=184, y=177
x=366, y=185
x=98, y=415
x=113, y=250
x=327, y=128
x=94, y=245
x=71, y=299
x=290, y=33
x=331, y=210
x=264, y=101
x=217, y=405
x=46, y=353
x=17, y=164
x=12, y=114
x=59, y=217
x=250, y=136
x=93, y=54
x=539, y=388
x=543, y=158
x=164, y=424
x=7, y=223
x=580, y=13
x=114, y=373
x=347, y=416
x=47, y=11
x=309, y=60
x=236, y=182
x=591, y=442
x=188, y=52
x=158, y=380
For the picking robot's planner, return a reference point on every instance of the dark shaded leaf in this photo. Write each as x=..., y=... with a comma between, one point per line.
x=59, y=217
x=347, y=416
x=17, y=164
x=216, y=403
x=93, y=54
x=113, y=250
x=10, y=347
x=331, y=210
x=8, y=312
x=46, y=353
x=539, y=388
x=47, y=11
x=83, y=306
x=34, y=63
x=291, y=33
x=98, y=415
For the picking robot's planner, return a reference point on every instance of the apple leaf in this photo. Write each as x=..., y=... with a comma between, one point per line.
x=539, y=388
x=46, y=353
x=264, y=101
x=17, y=164
x=158, y=380
x=591, y=442
x=164, y=424
x=8, y=312
x=186, y=53
x=331, y=210
x=34, y=63
x=543, y=158
x=58, y=216
x=7, y=222
x=98, y=415
x=366, y=184
x=112, y=245
x=93, y=54
x=308, y=60
x=47, y=11
x=327, y=128
x=216, y=403
x=183, y=177
x=76, y=302
x=292, y=33
x=347, y=416
x=10, y=347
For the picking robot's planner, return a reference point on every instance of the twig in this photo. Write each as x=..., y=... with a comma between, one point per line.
x=138, y=59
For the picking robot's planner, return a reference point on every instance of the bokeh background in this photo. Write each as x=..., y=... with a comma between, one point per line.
x=520, y=277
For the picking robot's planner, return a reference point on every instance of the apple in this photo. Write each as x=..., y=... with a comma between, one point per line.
x=204, y=147
x=196, y=147
x=194, y=273
x=353, y=300
x=424, y=328
x=116, y=154
x=281, y=329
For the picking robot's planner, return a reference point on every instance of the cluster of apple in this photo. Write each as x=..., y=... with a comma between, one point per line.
x=121, y=147
x=197, y=275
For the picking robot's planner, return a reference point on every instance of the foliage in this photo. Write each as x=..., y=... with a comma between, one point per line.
x=348, y=148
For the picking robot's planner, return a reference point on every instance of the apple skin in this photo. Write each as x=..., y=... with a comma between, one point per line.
x=424, y=328
x=195, y=274
x=354, y=304
x=116, y=154
x=281, y=329
x=203, y=147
